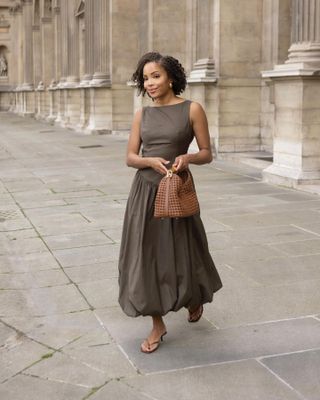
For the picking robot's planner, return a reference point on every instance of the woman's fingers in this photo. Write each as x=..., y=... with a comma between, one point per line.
x=159, y=165
x=180, y=163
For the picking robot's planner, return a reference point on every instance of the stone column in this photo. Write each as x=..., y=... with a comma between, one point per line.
x=89, y=42
x=57, y=40
x=203, y=74
x=102, y=25
x=62, y=59
x=72, y=103
x=47, y=50
x=73, y=46
x=28, y=102
x=37, y=59
x=17, y=75
x=27, y=48
x=54, y=112
x=100, y=98
x=63, y=42
x=89, y=47
x=297, y=102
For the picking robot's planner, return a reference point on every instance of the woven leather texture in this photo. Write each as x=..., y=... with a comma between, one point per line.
x=176, y=197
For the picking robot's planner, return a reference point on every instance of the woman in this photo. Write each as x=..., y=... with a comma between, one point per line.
x=164, y=264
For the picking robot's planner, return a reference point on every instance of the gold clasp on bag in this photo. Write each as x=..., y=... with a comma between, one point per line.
x=169, y=173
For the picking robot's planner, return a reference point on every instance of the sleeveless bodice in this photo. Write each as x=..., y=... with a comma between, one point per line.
x=165, y=132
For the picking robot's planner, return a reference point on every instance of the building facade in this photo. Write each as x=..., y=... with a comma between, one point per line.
x=254, y=65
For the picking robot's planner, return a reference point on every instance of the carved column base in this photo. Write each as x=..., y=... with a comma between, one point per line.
x=60, y=99
x=84, y=108
x=100, y=114
x=27, y=108
x=100, y=79
x=296, y=150
x=203, y=71
x=72, y=108
x=293, y=69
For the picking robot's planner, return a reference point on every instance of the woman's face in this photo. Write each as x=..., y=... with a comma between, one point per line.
x=156, y=80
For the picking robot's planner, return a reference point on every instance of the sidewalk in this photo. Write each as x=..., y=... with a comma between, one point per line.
x=63, y=335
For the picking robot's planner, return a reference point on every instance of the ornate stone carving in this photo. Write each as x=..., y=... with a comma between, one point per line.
x=3, y=66
x=3, y=22
x=16, y=8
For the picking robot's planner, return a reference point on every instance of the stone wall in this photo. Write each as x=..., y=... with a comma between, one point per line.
x=70, y=63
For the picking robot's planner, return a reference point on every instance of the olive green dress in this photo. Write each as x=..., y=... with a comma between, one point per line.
x=164, y=264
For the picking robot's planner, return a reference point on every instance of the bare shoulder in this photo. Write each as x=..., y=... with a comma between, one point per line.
x=197, y=112
x=138, y=114
x=196, y=109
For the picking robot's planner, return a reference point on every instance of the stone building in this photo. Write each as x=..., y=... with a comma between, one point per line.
x=253, y=64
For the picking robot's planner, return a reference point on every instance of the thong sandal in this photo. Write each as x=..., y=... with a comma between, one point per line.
x=199, y=310
x=157, y=343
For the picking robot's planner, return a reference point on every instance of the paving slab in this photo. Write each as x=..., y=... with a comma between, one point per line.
x=264, y=303
x=183, y=349
x=62, y=368
x=36, y=279
x=101, y=355
x=116, y=390
x=280, y=270
x=92, y=272
x=270, y=219
x=24, y=387
x=17, y=353
x=245, y=253
x=237, y=381
x=274, y=235
x=310, y=227
x=87, y=255
x=301, y=370
x=41, y=301
x=28, y=262
x=5, y=332
x=102, y=293
x=298, y=248
x=22, y=246
x=57, y=330
x=80, y=239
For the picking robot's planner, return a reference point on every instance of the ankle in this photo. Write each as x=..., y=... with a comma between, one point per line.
x=158, y=323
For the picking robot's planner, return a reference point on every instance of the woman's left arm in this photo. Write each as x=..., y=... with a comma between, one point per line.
x=200, y=127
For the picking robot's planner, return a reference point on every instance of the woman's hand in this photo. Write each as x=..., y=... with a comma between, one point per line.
x=181, y=162
x=158, y=164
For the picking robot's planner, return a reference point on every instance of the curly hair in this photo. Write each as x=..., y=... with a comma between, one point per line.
x=171, y=65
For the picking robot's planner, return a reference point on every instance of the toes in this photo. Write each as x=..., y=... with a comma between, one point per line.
x=145, y=346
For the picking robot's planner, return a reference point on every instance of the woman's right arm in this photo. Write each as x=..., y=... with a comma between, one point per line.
x=133, y=158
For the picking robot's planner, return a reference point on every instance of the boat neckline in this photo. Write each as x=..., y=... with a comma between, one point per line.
x=169, y=105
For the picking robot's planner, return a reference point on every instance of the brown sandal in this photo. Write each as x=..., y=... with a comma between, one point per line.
x=157, y=343
x=199, y=310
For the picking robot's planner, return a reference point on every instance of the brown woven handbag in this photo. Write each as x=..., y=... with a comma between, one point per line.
x=176, y=196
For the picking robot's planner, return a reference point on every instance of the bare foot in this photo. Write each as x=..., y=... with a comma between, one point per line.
x=195, y=314
x=153, y=341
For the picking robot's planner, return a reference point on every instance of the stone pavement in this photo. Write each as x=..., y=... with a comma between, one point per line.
x=62, y=333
